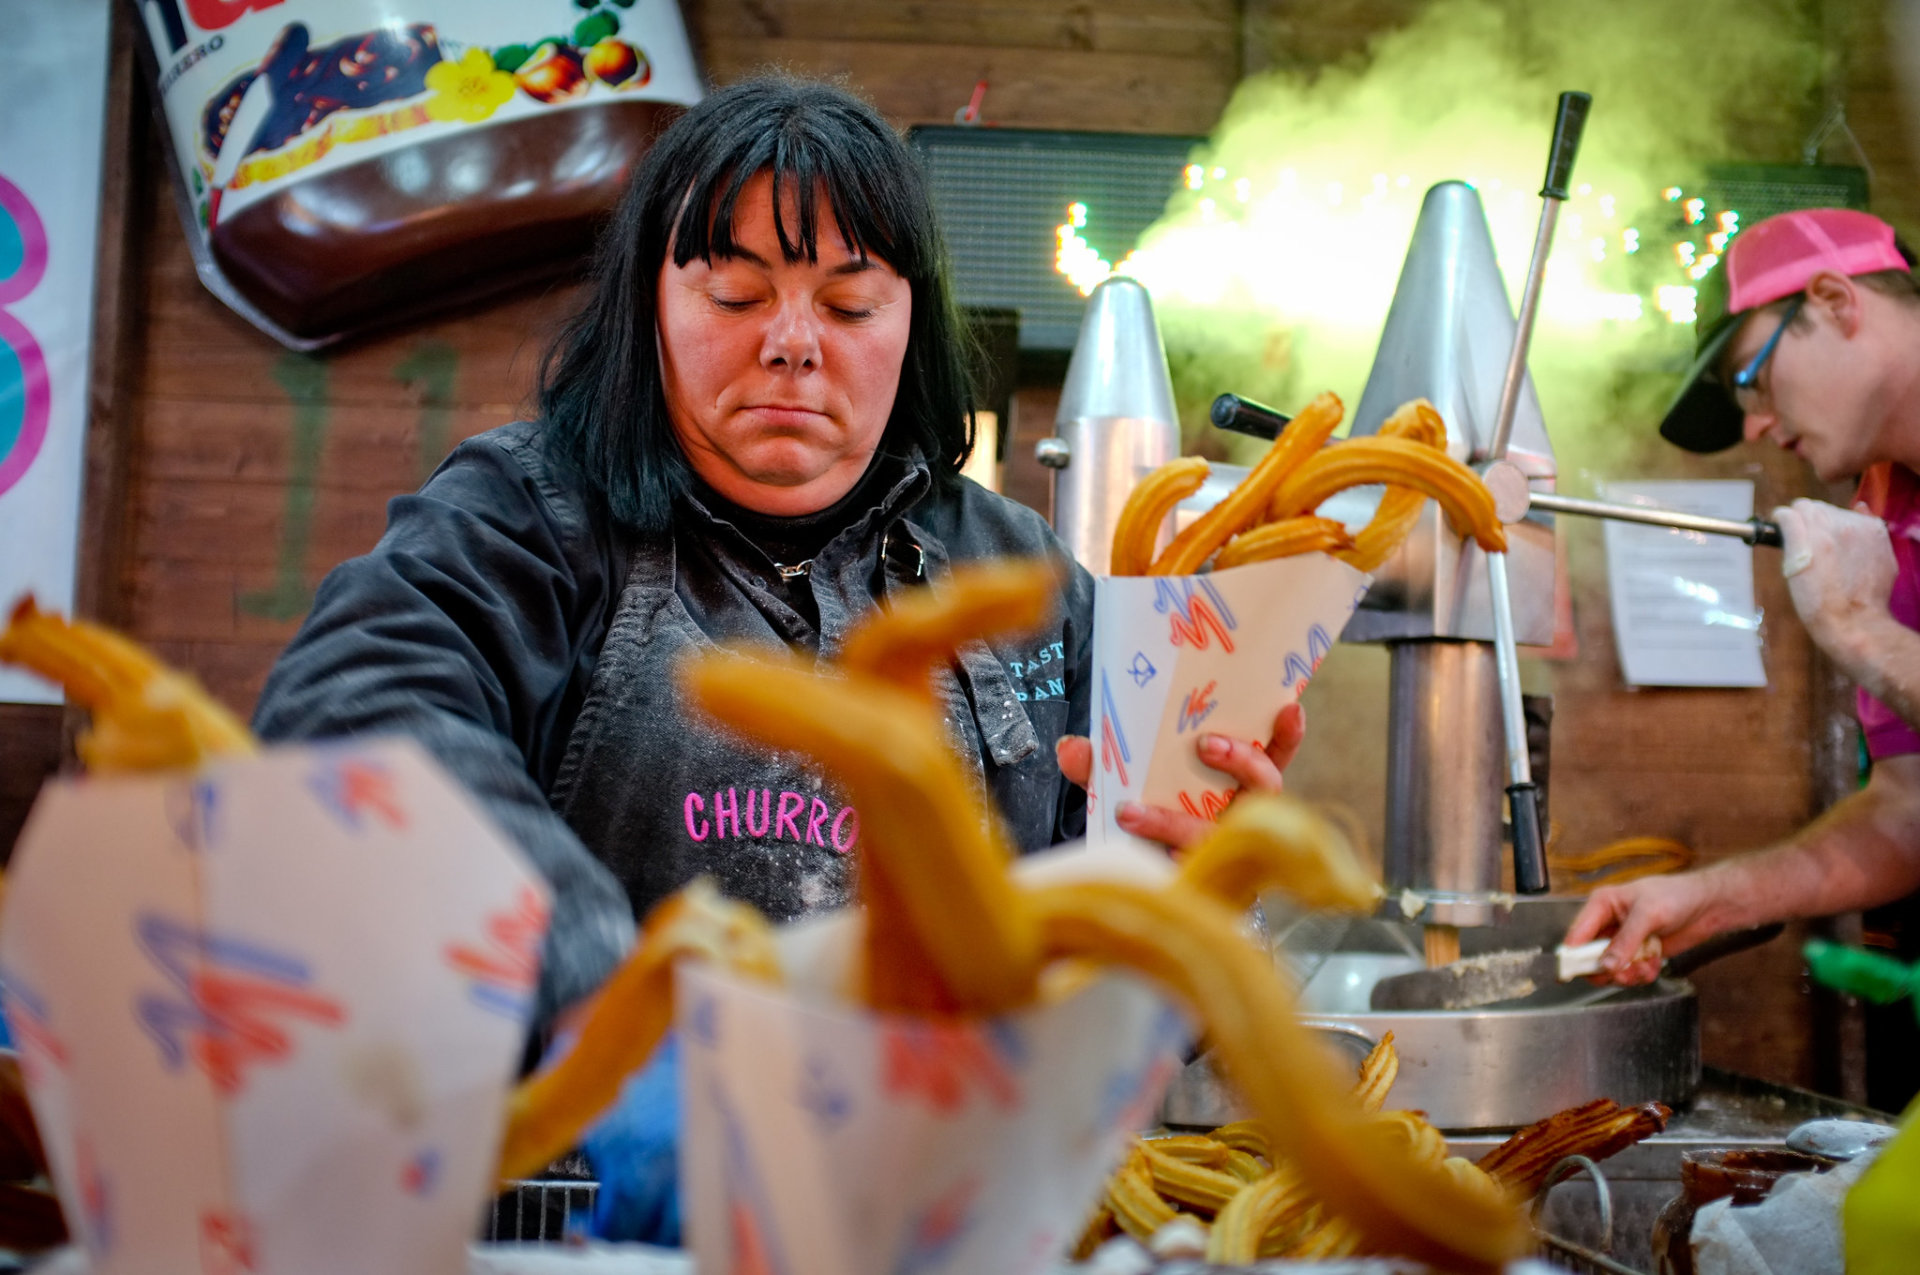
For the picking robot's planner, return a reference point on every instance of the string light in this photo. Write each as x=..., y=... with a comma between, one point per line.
x=1285, y=208
x=1676, y=302
x=1077, y=259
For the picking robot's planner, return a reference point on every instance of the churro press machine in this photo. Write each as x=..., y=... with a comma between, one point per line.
x=1460, y=780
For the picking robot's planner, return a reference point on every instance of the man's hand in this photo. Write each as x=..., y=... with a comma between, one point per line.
x=1840, y=570
x=1863, y=852
x=1651, y=919
x=1253, y=767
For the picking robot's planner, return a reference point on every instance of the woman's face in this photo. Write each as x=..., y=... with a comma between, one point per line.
x=780, y=376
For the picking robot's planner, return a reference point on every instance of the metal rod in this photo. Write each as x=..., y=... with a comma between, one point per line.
x=1569, y=123
x=1523, y=797
x=1755, y=531
x=1523, y=331
x=1507, y=659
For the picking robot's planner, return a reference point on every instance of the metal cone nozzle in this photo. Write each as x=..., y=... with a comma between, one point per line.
x=1119, y=367
x=1116, y=419
x=1448, y=334
x=1447, y=338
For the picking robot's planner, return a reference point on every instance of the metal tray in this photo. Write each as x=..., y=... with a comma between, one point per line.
x=1493, y=1069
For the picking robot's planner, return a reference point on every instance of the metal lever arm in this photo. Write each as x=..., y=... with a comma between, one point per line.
x=1568, y=125
x=1755, y=531
x=1513, y=499
x=1244, y=416
x=1523, y=795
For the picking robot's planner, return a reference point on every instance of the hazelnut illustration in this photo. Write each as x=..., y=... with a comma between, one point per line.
x=619, y=65
x=552, y=74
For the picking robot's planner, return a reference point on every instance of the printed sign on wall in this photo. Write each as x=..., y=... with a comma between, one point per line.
x=53, y=84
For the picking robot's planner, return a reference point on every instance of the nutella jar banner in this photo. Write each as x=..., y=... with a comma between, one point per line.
x=53, y=87
x=347, y=163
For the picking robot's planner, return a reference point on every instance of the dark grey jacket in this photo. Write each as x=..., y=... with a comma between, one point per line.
x=475, y=624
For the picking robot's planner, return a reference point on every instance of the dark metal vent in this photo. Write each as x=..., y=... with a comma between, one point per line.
x=1002, y=194
x=1758, y=191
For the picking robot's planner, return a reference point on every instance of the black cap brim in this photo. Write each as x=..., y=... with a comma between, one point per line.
x=1703, y=416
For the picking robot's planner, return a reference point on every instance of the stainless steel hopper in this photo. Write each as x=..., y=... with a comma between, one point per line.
x=1116, y=419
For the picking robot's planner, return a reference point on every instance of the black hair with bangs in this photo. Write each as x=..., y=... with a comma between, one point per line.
x=601, y=400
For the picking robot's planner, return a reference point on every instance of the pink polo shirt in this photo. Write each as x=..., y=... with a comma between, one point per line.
x=1892, y=492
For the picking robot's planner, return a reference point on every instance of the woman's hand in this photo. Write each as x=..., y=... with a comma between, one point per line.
x=1253, y=767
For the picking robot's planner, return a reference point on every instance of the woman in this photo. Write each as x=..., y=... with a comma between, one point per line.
x=752, y=431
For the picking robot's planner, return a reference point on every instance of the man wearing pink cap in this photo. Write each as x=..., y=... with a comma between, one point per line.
x=1810, y=336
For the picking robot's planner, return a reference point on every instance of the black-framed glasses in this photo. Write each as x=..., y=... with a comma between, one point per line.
x=1748, y=377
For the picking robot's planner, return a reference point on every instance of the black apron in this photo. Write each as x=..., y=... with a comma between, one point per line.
x=662, y=795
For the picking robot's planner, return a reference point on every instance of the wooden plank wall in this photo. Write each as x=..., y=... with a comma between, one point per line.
x=249, y=471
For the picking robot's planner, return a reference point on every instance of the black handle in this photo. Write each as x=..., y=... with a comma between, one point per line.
x=1767, y=533
x=1244, y=416
x=1567, y=127
x=1715, y=948
x=1529, y=849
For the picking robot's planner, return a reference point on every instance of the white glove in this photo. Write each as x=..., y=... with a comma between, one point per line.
x=1840, y=571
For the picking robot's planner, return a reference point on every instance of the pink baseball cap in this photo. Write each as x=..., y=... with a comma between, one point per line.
x=1766, y=262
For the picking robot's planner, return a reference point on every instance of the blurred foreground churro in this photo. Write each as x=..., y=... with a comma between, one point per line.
x=146, y=716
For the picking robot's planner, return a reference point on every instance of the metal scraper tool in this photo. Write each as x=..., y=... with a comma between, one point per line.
x=1500, y=977
x=1482, y=980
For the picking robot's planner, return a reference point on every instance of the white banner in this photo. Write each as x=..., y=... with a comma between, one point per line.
x=53, y=85
x=1683, y=609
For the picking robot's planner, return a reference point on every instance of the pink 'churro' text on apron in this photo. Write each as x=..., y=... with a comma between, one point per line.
x=762, y=814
